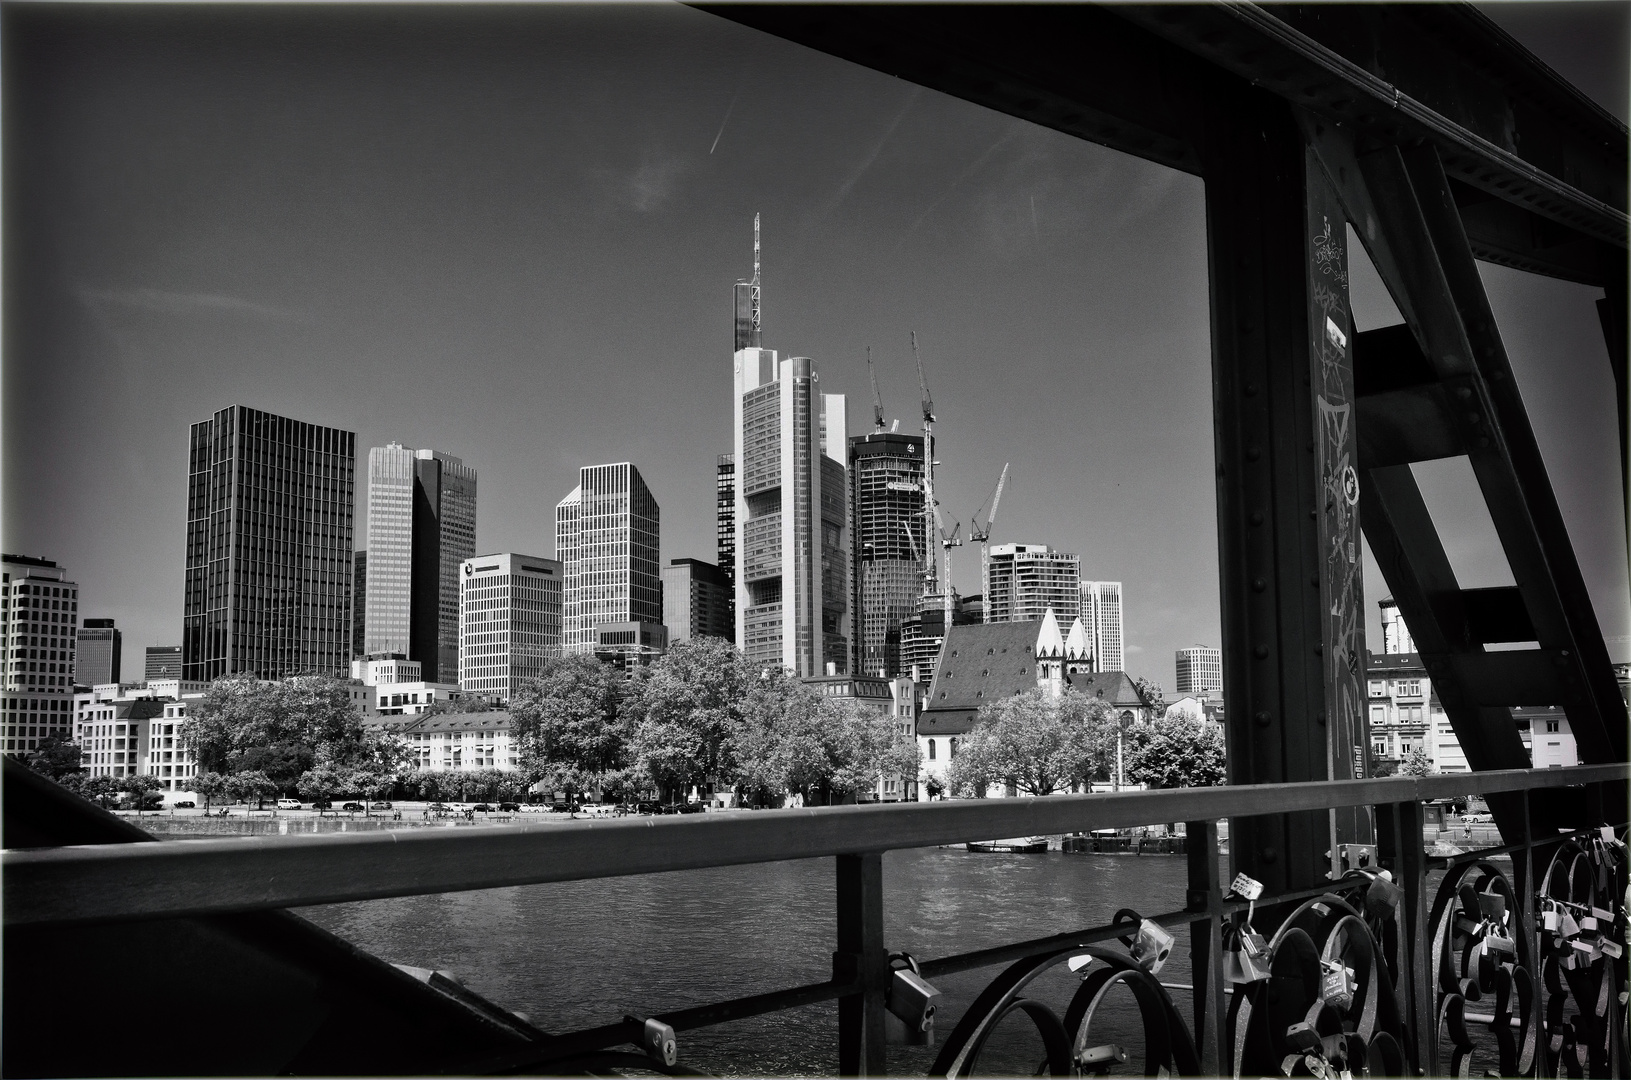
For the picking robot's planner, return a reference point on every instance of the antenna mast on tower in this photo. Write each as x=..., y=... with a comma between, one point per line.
x=758, y=323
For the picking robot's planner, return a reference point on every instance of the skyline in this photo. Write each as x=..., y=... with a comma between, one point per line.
x=514, y=234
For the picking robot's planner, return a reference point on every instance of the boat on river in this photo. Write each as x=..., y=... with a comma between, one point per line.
x=1019, y=845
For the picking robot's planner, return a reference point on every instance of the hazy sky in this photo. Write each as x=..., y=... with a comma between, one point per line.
x=511, y=234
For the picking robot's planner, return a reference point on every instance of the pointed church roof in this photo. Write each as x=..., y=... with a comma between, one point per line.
x=1076, y=645
x=1048, y=640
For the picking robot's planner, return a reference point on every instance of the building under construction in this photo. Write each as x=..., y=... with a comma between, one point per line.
x=886, y=519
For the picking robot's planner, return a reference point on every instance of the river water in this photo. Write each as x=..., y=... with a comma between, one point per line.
x=580, y=954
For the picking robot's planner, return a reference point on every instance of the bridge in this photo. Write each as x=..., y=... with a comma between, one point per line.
x=1441, y=142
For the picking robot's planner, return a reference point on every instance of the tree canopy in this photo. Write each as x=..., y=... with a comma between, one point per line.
x=1176, y=753
x=1037, y=743
x=279, y=729
x=56, y=758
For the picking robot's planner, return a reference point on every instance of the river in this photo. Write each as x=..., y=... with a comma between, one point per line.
x=585, y=953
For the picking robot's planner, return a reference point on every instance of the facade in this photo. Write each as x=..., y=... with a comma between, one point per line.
x=39, y=610
x=97, y=651
x=163, y=662
x=359, y=604
x=421, y=529
x=630, y=644
x=983, y=663
x=454, y=742
x=888, y=548
x=386, y=670
x=1403, y=716
x=1101, y=613
x=606, y=541
x=127, y=732
x=697, y=601
x=792, y=588
x=1396, y=639
x=1024, y=580
x=509, y=621
x=1199, y=669
x=725, y=534
x=269, y=545
x=922, y=634
x=408, y=698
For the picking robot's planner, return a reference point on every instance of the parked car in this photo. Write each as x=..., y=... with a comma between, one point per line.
x=509, y=808
x=438, y=808
x=1477, y=819
x=288, y=804
x=647, y=806
x=482, y=808
x=683, y=808
x=379, y=806
x=322, y=804
x=564, y=808
x=184, y=804
x=353, y=806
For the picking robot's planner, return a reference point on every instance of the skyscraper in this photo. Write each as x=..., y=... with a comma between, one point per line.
x=38, y=645
x=421, y=528
x=886, y=519
x=696, y=601
x=509, y=621
x=99, y=645
x=606, y=539
x=269, y=542
x=1101, y=614
x=359, y=605
x=1199, y=669
x=163, y=662
x=725, y=535
x=792, y=559
x=1022, y=581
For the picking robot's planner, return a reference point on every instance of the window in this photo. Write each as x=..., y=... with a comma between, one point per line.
x=931, y=749
x=1551, y=729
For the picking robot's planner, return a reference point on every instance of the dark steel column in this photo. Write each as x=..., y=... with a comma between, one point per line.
x=1287, y=513
x=861, y=952
x=1206, y=943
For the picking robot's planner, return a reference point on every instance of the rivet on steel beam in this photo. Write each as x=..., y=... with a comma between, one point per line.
x=1251, y=389
x=1319, y=718
x=1256, y=518
x=1258, y=585
x=1262, y=718
x=1463, y=392
x=1261, y=652
x=1253, y=453
x=1483, y=440
x=1314, y=581
x=1268, y=855
x=1319, y=650
x=1472, y=418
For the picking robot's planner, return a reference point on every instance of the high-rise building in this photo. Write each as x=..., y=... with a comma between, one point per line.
x=359, y=604
x=606, y=538
x=1396, y=639
x=98, y=648
x=696, y=600
x=269, y=542
x=886, y=522
x=163, y=662
x=40, y=618
x=725, y=533
x=1101, y=614
x=1022, y=581
x=1199, y=669
x=509, y=621
x=421, y=528
x=792, y=594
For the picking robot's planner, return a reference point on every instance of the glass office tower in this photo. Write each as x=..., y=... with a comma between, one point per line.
x=269, y=543
x=886, y=516
x=421, y=529
x=606, y=539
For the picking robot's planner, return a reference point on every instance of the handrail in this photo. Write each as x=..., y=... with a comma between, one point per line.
x=197, y=877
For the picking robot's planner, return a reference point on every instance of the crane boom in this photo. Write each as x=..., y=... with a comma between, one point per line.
x=923, y=384
x=877, y=400
x=1001, y=480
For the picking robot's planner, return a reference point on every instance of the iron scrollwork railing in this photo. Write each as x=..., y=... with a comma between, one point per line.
x=1519, y=973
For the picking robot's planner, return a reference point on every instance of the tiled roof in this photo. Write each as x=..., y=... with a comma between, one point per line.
x=978, y=664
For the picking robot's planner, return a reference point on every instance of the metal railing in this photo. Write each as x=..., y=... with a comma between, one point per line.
x=68, y=885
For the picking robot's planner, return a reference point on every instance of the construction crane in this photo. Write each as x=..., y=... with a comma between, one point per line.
x=911, y=542
x=931, y=514
x=947, y=542
x=983, y=536
x=877, y=400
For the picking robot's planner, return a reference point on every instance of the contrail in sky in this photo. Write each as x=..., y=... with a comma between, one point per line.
x=964, y=175
x=860, y=170
x=722, y=124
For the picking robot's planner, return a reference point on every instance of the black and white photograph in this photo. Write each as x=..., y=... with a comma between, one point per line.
x=815, y=539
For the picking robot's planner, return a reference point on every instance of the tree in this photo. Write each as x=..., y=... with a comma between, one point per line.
x=1033, y=741
x=279, y=728
x=56, y=758
x=211, y=785
x=251, y=785
x=1384, y=768
x=686, y=713
x=1149, y=692
x=139, y=787
x=1177, y=753
x=1417, y=763
x=567, y=722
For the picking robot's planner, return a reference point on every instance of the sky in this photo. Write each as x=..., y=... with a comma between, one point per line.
x=511, y=233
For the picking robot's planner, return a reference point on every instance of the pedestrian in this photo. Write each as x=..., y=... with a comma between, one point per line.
x=1466, y=830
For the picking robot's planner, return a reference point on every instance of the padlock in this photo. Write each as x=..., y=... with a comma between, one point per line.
x=1498, y=942
x=911, y=1004
x=1152, y=946
x=1245, y=887
x=1551, y=919
x=657, y=1040
x=1302, y=1037
x=1493, y=906
x=1566, y=925
x=1610, y=947
x=1336, y=983
x=1098, y=1060
x=1245, y=955
x=1382, y=896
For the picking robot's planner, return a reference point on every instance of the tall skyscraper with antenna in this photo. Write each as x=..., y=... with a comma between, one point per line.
x=792, y=555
